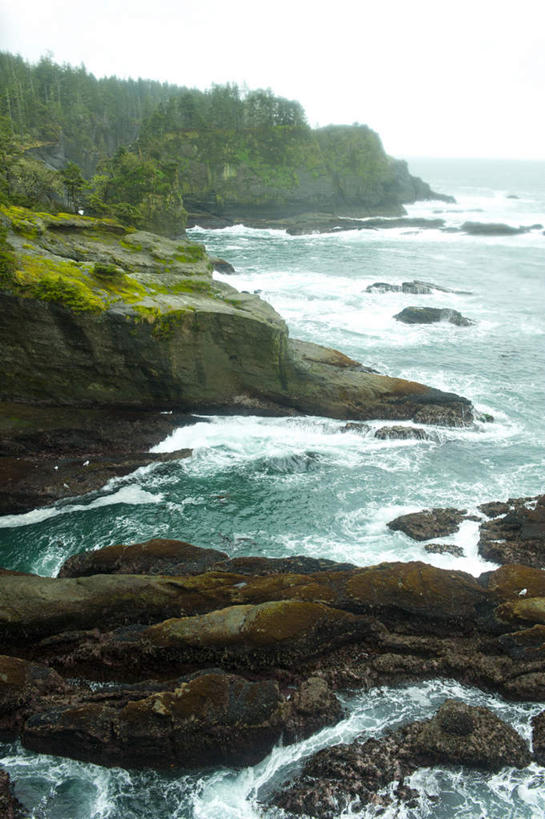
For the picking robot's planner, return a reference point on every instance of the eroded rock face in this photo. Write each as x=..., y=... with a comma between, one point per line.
x=517, y=532
x=10, y=808
x=429, y=523
x=210, y=718
x=458, y=734
x=22, y=684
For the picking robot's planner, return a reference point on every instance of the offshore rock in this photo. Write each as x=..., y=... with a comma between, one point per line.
x=97, y=315
x=210, y=718
x=495, y=229
x=403, y=433
x=429, y=523
x=432, y=315
x=416, y=286
x=517, y=532
x=458, y=734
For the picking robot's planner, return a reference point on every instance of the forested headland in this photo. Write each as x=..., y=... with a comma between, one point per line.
x=147, y=152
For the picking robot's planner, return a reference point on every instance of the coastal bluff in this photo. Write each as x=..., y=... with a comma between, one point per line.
x=98, y=314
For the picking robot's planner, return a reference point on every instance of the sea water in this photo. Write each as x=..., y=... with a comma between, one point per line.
x=289, y=486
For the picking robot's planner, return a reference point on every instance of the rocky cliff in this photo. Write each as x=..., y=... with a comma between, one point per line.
x=99, y=314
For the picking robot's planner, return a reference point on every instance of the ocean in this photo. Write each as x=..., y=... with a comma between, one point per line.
x=286, y=486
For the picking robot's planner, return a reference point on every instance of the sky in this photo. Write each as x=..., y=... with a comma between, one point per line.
x=432, y=78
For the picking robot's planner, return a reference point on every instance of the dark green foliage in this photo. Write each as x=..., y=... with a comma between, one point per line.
x=74, y=183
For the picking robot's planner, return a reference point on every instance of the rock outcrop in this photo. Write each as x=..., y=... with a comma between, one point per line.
x=432, y=315
x=516, y=534
x=216, y=661
x=98, y=315
x=458, y=734
x=429, y=523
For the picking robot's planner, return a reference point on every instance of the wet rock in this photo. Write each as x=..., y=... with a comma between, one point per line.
x=538, y=738
x=222, y=266
x=432, y=315
x=416, y=287
x=458, y=734
x=38, y=606
x=278, y=634
x=157, y=556
x=444, y=549
x=211, y=718
x=493, y=229
x=429, y=523
x=47, y=454
x=494, y=508
x=23, y=683
x=10, y=807
x=355, y=426
x=403, y=433
x=517, y=535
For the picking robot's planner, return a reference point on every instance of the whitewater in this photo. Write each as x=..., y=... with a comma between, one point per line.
x=305, y=485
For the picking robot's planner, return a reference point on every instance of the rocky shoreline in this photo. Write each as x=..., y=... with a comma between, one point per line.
x=212, y=660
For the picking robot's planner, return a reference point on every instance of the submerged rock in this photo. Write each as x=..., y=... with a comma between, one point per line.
x=403, y=433
x=432, y=315
x=458, y=734
x=444, y=549
x=416, y=286
x=496, y=229
x=429, y=523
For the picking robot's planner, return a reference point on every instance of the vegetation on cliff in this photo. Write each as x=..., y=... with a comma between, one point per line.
x=144, y=147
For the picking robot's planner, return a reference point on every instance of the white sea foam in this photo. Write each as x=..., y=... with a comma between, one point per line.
x=132, y=494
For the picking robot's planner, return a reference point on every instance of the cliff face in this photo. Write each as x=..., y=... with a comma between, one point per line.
x=96, y=314
x=287, y=170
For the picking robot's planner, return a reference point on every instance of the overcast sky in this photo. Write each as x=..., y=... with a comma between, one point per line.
x=433, y=78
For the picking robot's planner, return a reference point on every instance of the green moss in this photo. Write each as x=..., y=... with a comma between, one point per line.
x=189, y=253
x=56, y=281
x=133, y=248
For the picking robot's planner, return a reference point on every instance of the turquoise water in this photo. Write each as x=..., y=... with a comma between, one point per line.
x=302, y=486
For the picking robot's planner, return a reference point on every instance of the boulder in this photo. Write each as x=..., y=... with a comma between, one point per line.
x=517, y=532
x=429, y=523
x=458, y=734
x=432, y=315
x=538, y=738
x=222, y=266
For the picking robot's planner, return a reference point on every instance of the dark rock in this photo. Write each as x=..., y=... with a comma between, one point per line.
x=444, y=549
x=538, y=738
x=158, y=556
x=429, y=523
x=492, y=229
x=22, y=683
x=222, y=266
x=47, y=454
x=432, y=315
x=279, y=634
x=512, y=196
x=516, y=535
x=493, y=509
x=211, y=718
x=416, y=286
x=355, y=426
x=402, y=433
x=10, y=807
x=458, y=734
